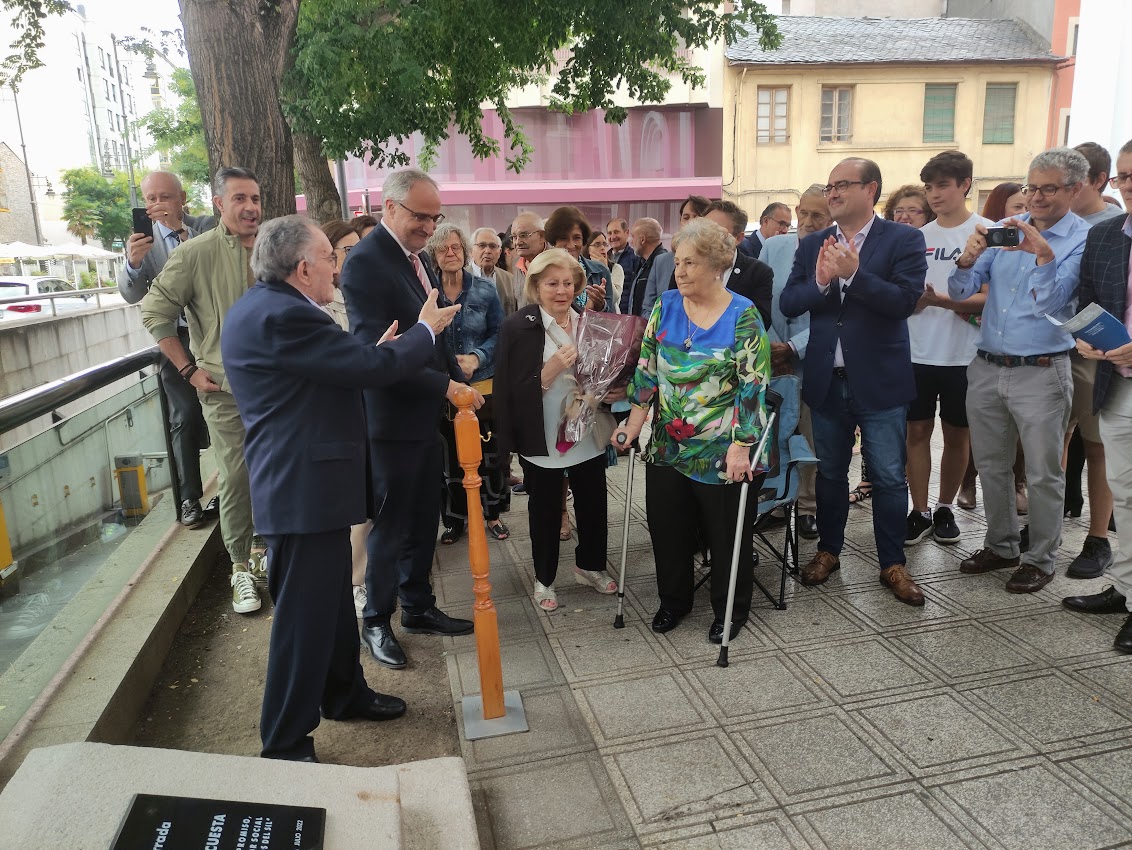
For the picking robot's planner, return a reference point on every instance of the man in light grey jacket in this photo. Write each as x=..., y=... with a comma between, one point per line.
x=145, y=257
x=788, y=337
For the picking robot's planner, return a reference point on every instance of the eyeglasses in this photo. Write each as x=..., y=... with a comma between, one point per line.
x=421, y=218
x=1118, y=179
x=909, y=211
x=783, y=224
x=840, y=186
x=483, y=246
x=450, y=249
x=333, y=258
x=526, y=234
x=1047, y=191
x=345, y=249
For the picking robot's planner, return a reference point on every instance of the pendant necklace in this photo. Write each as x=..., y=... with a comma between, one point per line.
x=691, y=334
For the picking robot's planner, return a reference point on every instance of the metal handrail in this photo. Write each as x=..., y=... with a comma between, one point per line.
x=29, y=405
x=45, y=296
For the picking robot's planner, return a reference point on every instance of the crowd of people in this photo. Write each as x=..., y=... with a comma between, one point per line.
x=325, y=363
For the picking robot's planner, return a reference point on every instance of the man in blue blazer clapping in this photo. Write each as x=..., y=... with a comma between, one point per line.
x=859, y=281
x=298, y=381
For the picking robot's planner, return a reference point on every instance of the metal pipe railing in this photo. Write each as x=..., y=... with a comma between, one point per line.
x=29, y=405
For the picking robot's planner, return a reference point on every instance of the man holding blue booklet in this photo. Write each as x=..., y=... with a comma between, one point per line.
x=1107, y=282
x=1019, y=386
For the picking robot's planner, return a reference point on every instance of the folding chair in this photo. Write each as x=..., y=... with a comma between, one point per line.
x=780, y=487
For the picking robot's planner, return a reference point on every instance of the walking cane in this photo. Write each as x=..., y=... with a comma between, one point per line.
x=739, y=530
x=619, y=620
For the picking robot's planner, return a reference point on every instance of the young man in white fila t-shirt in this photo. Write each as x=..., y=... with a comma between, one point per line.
x=944, y=338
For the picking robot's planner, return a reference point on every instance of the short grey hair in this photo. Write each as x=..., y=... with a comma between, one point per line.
x=1069, y=162
x=440, y=236
x=232, y=172
x=398, y=184
x=816, y=189
x=709, y=240
x=534, y=218
x=648, y=227
x=494, y=236
x=279, y=246
x=162, y=173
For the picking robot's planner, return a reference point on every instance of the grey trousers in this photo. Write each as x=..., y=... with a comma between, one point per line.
x=1030, y=403
x=807, y=472
x=1116, y=434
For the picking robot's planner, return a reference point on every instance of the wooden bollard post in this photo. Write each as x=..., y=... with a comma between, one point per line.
x=470, y=452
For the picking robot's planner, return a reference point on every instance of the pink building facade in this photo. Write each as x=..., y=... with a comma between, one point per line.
x=644, y=167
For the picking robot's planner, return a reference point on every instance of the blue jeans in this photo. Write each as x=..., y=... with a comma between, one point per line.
x=883, y=434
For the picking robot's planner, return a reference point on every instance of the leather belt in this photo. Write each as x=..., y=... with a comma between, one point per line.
x=839, y=372
x=1012, y=360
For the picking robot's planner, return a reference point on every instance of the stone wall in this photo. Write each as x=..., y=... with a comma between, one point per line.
x=16, y=223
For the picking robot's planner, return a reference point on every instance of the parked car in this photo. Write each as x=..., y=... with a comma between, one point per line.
x=32, y=285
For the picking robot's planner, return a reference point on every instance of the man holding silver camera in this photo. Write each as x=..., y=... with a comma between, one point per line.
x=1020, y=384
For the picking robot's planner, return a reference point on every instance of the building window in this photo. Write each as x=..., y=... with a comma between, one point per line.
x=773, y=112
x=101, y=57
x=79, y=71
x=836, y=110
x=1074, y=34
x=106, y=88
x=998, y=114
x=110, y=117
x=939, y=112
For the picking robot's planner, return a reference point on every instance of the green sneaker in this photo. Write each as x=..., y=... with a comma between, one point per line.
x=245, y=598
x=257, y=562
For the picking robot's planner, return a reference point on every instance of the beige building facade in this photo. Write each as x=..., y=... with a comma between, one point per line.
x=915, y=90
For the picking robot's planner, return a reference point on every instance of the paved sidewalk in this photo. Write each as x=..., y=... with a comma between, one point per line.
x=849, y=720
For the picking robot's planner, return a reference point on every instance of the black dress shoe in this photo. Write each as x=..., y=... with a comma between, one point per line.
x=1108, y=601
x=383, y=707
x=212, y=506
x=309, y=757
x=665, y=621
x=383, y=646
x=191, y=513
x=808, y=526
x=451, y=534
x=1123, y=642
x=715, y=633
x=435, y=622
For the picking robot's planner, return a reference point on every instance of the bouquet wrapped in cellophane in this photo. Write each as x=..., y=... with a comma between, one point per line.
x=608, y=347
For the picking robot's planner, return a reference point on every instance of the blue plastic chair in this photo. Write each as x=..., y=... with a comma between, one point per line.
x=780, y=487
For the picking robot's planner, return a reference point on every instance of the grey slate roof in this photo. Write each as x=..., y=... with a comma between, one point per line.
x=820, y=40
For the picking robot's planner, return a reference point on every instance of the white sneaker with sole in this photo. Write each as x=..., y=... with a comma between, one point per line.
x=245, y=598
x=360, y=600
x=599, y=580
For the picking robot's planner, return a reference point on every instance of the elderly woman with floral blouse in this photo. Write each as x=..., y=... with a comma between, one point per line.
x=704, y=365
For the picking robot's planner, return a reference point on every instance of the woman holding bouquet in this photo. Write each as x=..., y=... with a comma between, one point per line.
x=704, y=365
x=534, y=361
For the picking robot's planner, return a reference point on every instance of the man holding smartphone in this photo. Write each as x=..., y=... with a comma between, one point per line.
x=145, y=258
x=1020, y=384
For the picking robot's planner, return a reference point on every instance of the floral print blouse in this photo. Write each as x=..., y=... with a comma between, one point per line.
x=708, y=383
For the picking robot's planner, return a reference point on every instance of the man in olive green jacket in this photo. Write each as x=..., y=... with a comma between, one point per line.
x=204, y=278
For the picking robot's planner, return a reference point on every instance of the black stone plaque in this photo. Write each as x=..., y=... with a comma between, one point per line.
x=156, y=822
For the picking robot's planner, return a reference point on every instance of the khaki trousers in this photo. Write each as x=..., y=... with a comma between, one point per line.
x=227, y=432
x=1116, y=434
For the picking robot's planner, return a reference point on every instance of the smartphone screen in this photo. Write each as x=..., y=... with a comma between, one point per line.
x=142, y=223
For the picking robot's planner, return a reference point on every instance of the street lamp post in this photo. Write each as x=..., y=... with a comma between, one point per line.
x=27, y=170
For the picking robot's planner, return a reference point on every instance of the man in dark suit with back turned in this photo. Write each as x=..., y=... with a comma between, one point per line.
x=1106, y=279
x=859, y=281
x=386, y=281
x=297, y=379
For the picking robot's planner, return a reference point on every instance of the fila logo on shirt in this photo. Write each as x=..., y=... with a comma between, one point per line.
x=942, y=254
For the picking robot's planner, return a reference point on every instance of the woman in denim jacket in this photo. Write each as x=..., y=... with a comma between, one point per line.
x=471, y=337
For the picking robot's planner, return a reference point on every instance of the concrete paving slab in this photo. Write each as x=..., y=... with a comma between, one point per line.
x=964, y=651
x=526, y=664
x=904, y=820
x=1058, y=635
x=1035, y=807
x=600, y=654
x=861, y=668
x=641, y=708
x=754, y=687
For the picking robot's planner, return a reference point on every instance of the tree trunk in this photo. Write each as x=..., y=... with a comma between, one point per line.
x=323, y=201
x=238, y=52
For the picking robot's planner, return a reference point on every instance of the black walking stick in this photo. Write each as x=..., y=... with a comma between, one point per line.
x=619, y=620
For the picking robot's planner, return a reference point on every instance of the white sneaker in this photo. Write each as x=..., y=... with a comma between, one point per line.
x=360, y=600
x=245, y=598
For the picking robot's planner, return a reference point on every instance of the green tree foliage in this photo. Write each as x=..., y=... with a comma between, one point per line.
x=368, y=71
x=94, y=206
x=27, y=21
x=178, y=134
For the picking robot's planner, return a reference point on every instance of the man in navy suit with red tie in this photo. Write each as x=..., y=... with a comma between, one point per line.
x=387, y=280
x=297, y=380
x=859, y=281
